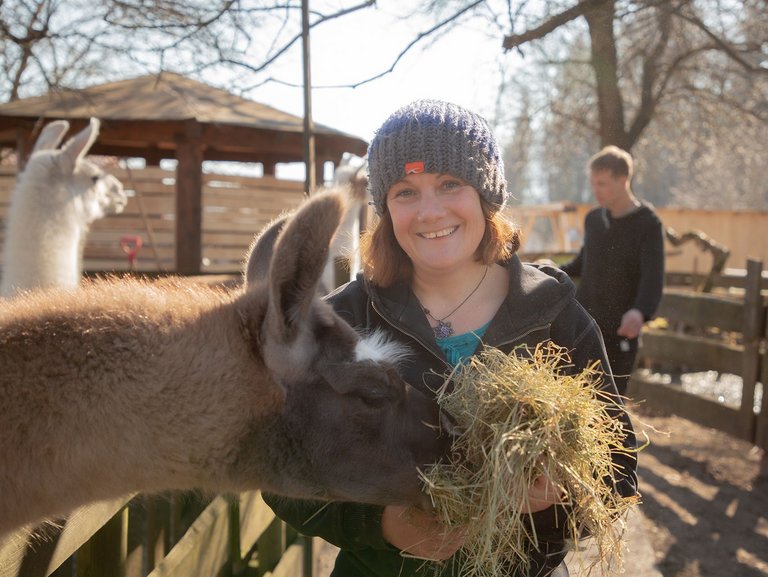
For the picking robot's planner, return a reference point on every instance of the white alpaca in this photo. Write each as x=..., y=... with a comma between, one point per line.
x=344, y=258
x=127, y=386
x=55, y=200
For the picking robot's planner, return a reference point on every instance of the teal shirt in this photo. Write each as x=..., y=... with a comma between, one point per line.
x=458, y=348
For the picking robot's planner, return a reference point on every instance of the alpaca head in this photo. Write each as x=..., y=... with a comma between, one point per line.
x=352, y=173
x=56, y=198
x=72, y=181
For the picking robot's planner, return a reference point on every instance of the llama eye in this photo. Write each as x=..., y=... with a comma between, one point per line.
x=95, y=178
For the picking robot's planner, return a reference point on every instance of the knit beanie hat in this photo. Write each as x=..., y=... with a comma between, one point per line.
x=432, y=136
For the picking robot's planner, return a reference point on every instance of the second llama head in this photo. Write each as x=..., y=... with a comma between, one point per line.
x=56, y=198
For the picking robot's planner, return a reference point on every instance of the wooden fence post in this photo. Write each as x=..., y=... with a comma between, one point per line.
x=752, y=334
x=761, y=427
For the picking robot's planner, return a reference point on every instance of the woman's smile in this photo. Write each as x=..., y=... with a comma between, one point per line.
x=440, y=233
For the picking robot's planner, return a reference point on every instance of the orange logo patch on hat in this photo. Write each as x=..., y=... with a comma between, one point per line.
x=414, y=167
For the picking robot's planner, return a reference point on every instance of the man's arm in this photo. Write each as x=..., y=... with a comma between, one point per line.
x=651, y=285
x=573, y=267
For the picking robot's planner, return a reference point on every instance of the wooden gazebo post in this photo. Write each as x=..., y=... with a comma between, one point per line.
x=189, y=200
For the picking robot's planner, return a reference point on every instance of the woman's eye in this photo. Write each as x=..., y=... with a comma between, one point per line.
x=403, y=193
x=451, y=184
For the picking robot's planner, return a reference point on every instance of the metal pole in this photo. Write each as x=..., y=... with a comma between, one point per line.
x=309, y=136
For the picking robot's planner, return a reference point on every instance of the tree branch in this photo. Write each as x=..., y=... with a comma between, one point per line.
x=516, y=40
x=400, y=56
x=723, y=45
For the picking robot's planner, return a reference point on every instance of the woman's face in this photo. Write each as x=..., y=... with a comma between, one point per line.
x=437, y=220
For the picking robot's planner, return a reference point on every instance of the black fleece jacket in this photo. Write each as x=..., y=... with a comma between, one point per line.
x=540, y=306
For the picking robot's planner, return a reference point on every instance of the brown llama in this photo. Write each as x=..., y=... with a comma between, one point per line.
x=127, y=386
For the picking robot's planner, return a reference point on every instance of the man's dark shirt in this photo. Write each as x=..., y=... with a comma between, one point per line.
x=620, y=266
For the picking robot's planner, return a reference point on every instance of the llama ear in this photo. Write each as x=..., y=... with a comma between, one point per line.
x=51, y=135
x=299, y=259
x=78, y=146
x=260, y=252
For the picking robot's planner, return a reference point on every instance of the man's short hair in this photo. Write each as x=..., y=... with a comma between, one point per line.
x=613, y=159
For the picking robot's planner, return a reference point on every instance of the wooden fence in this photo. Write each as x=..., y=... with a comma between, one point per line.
x=236, y=535
x=558, y=228
x=709, y=332
x=235, y=208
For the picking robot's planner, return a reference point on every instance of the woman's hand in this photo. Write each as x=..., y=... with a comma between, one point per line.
x=420, y=533
x=541, y=495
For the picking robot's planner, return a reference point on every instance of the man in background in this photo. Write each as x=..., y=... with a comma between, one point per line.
x=621, y=263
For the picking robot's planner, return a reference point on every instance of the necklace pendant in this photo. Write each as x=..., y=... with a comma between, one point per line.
x=443, y=330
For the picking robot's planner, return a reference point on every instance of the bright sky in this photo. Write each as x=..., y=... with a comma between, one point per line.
x=462, y=66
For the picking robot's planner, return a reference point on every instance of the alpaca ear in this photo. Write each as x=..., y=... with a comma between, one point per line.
x=260, y=252
x=51, y=135
x=78, y=146
x=298, y=262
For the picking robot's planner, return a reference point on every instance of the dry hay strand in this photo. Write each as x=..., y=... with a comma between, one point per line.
x=520, y=417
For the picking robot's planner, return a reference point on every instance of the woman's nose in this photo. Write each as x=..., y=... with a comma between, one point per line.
x=431, y=207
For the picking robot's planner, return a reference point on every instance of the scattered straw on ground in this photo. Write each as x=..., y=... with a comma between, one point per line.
x=519, y=419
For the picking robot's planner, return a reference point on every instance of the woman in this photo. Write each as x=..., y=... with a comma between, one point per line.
x=440, y=275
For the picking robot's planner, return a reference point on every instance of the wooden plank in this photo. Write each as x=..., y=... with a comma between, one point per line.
x=226, y=238
x=753, y=318
x=104, y=266
x=291, y=563
x=701, y=310
x=691, y=352
x=134, y=224
x=107, y=551
x=670, y=399
x=43, y=557
x=203, y=550
x=271, y=546
x=255, y=518
x=235, y=225
x=761, y=428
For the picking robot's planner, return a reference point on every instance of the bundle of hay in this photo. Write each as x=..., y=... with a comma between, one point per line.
x=520, y=418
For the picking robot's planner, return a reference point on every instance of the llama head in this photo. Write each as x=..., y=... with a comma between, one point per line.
x=72, y=179
x=346, y=407
x=352, y=172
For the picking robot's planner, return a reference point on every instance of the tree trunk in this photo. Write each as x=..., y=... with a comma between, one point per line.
x=605, y=64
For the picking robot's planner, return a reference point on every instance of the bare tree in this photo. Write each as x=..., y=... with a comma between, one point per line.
x=46, y=44
x=643, y=52
x=51, y=44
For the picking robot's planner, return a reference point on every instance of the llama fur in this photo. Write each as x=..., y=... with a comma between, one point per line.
x=56, y=198
x=344, y=258
x=129, y=386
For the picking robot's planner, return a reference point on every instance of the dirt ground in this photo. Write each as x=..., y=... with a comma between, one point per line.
x=705, y=509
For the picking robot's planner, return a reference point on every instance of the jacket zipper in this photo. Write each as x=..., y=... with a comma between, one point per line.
x=522, y=335
x=407, y=333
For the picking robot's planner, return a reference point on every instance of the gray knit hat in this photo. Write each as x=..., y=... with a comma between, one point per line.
x=436, y=137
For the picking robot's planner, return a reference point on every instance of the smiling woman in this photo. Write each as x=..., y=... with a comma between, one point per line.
x=440, y=276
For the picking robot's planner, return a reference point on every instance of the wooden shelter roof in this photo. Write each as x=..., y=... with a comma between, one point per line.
x=171, y=116
x=144, y=117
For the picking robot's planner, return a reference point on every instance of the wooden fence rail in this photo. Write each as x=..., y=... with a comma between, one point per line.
x=234, y=535
x=705, y=332
x=235, y=208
